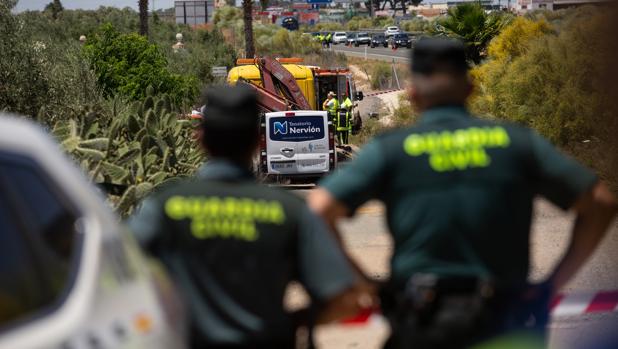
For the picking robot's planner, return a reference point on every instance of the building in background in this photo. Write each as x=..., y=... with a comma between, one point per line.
x=197, y=12
x=531, y=5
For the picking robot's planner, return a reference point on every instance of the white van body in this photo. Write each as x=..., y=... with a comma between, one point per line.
x=299, y=143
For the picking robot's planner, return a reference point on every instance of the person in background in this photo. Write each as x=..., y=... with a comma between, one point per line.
x=344, y=121
x=331, y=104
x=234, y=245
x=459, y=195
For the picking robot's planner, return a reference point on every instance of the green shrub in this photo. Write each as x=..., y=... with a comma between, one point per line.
x=227, y=16
x=404, y=115
x=274, y=40
x=381, y=74
x=139, y=147
x=545, y=79
x=23, y=83
x=127, y=64
x=415, y=25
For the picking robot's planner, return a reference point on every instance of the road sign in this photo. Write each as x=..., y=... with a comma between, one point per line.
x=319, y=1
x=219, y=71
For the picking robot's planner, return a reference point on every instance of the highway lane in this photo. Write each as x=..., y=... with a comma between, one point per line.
x=401, y=55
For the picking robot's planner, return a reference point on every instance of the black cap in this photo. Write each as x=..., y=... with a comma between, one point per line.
x=433, y=55
x=229, y=107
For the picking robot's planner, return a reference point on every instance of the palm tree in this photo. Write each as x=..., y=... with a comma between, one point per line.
x=247, y=7
x=55, y=7
x=143, y=17
x=470, y=23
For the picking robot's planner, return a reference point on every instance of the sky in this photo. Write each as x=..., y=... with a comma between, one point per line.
x=23, y=5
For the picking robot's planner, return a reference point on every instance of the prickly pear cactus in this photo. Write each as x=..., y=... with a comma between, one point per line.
x=141, y=147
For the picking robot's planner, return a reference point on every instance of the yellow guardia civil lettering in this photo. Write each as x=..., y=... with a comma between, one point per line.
x=227, y=217
x=458, y=149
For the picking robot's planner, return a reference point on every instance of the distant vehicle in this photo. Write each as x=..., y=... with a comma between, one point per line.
x=351, y=37
x=358, y=39
x=362, y=39
x=401, y=40
x=379, y=40
x=298, y=143
x=289, y=23
x=70, y=276
x=340, y=38
x=391, y=31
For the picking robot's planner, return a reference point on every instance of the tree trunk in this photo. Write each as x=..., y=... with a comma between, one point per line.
x=248, y=20
x=143, y=17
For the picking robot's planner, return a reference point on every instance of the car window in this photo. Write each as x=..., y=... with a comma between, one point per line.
x=37, y=243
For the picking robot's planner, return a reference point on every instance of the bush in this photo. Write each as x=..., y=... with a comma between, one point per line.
x=23, y=84
x=127, y=64
x=554, y=78
x=381, y=73
x=139, y=147
x=277, y=41
x=545, y=79
x=415, y=25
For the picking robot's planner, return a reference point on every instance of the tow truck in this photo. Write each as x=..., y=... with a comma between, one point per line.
x=297, y=138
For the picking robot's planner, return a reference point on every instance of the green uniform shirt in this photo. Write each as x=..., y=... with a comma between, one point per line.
x=233, y=246
x=459, y=191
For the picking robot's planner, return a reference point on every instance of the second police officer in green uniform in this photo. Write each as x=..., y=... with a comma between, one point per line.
x=459, y=193
x=233, y=245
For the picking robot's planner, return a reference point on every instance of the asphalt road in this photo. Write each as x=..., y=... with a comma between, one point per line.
x=401, y=55
x=366, y=238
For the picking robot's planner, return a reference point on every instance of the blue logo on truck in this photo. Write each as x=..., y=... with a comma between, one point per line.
x=297, y=129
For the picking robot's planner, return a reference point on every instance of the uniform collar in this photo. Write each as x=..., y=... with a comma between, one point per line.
x=220, y=169
x=443, y=113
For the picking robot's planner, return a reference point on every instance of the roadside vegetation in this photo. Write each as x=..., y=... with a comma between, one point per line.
x=377, y=23
x=115, y=102
x=549, y=71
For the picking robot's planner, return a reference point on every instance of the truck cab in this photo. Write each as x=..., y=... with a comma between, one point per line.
x=297, y=144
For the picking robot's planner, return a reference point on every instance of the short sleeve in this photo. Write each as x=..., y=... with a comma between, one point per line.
x=323, y=269
x=360, y=180
x=556, y=176
x=147, y=224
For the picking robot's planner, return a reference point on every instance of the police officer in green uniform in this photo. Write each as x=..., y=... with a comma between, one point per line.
x=234, y=246
x=459, y=194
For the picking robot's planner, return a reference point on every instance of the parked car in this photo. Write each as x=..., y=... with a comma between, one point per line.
x=401, y=40
x=362, y=39
x=351, y=38
x=340, y=38
x=379, y=40
x=70, y=275
x=391, y=31
x=289, y=23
